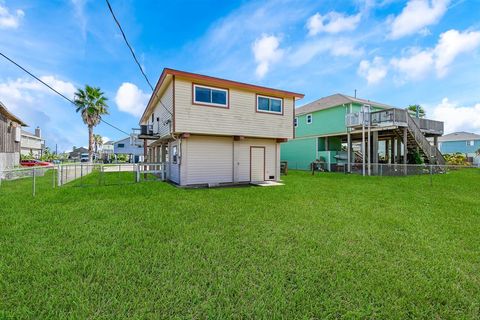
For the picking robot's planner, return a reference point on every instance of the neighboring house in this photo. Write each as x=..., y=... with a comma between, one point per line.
x=76, y=153
x=10, y=137
x=326, y=128
x=107, y=149
x=212, y=131
x=32, y=144
x=130, y=146
x=461, y=142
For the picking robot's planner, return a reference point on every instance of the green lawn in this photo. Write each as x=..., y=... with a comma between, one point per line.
x=329, y=246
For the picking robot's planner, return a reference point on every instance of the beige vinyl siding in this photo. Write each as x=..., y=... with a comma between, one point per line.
x=207, y=159
x=161, y=127
x=239, y=119
x=242, y=156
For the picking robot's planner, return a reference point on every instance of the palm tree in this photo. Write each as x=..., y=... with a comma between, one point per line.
x=98, y=141
x=421, y=111
x=92, y=104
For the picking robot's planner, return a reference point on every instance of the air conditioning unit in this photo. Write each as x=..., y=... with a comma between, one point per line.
x=146, y=130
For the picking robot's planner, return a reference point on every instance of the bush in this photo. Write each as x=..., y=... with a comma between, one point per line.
x=457, y=159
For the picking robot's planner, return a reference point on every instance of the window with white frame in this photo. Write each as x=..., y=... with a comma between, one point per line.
x=309, y=118
x=269, y=104
x=295, y=122
x=174, y=155
x=472, y=143
x=210, y=96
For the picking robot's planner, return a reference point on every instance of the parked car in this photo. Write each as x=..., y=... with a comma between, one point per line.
x=34, y=163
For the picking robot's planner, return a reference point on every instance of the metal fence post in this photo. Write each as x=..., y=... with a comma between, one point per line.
x=81, y=174
x=138, y=173
x=33, y=180
x=431, y=175
x=53, y=176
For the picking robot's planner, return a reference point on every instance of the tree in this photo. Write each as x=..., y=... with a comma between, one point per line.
x=98, y=141
x=92, y=105
x=421, y=111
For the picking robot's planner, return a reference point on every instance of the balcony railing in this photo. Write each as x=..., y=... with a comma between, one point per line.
x=431, y=126
x=391, y=117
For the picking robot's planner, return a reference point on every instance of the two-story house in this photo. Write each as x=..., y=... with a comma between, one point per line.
x=10, y=135
x=32, y=143
x=130, y=146
x=340, y=131
x=212, y=131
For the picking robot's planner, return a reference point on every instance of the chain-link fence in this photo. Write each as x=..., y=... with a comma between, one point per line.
x=377, y=169
x=27, y=181
x=30, y=181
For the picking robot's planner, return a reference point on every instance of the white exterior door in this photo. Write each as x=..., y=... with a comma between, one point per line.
x=257, y=164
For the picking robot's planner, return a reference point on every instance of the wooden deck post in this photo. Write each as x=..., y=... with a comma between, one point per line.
x=405, y=149
x=375, y=151
x=349, y=152
x=399, y=150
x=387, y=150
x=392, y=146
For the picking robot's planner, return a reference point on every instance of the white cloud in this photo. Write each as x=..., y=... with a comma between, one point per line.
x=38, y=106
x=451, y=44
x=10, y=20
x=414, y=67
x=80, y=17
x=266, y=51
x=23, y=89
x=332, y=22
x=373, y=71
x=335, y=47
x=418, y=63
x=416, y=16
x=131, y=99
x=456, y=117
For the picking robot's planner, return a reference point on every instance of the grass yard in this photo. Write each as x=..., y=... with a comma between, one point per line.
x=329, y=246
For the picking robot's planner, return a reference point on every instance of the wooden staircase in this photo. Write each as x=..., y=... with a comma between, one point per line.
x=417, y=141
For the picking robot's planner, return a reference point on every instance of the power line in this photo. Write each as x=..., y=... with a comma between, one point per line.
x=133, y=55
x=54, y=90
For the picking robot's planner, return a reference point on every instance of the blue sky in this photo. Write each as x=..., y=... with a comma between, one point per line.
x=396, y=52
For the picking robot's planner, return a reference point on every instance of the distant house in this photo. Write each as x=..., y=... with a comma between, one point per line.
x=76, y=153
x=107, y=149
x=212, y=131
x=32, y=144
x=133, y=148
x=10, y=137
x=461, y=142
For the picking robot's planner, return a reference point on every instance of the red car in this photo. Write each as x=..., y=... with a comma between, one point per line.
x=34, y=163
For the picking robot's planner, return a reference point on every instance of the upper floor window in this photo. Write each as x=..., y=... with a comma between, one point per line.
x=309, y=118
x=153, y=116
x=210, y=96
x=121, y=145
x=269, y=104
x=295, y=122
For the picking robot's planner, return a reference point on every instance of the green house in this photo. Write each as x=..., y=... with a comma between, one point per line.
x=326, y=128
